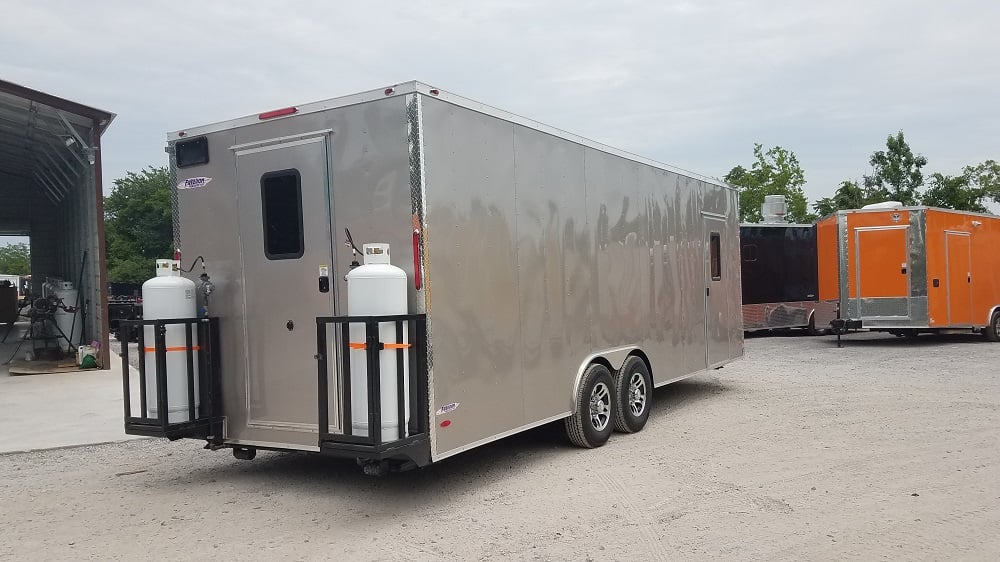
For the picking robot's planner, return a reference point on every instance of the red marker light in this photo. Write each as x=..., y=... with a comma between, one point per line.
x=389, y=91
x=418, y=279
x=277, y=113
x=435, y=92
x=445, y=423
x=182, y=134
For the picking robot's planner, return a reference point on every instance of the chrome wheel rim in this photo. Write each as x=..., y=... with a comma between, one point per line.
x=637, y=394
x=600, y=406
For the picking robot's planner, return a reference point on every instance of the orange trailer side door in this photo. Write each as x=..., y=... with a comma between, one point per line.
x=958, y=264
x=882, y=262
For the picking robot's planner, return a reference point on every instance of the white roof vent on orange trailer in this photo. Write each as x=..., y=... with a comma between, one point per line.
x=884, y=205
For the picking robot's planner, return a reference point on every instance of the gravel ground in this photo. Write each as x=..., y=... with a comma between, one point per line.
x=885, y=449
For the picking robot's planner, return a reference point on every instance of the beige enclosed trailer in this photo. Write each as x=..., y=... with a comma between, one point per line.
x=548, y=277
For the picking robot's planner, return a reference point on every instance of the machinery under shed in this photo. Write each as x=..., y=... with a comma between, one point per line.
x=51, y=191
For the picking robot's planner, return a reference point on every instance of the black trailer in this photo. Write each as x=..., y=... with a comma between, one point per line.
x=124, y=303
x=780, y=278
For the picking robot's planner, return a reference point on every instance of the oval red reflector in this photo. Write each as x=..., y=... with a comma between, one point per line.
x=418, y=279
x=389, y=91
x=277, y=113
x=445, y=423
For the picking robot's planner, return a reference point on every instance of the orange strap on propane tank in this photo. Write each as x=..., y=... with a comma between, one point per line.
x=177, y=348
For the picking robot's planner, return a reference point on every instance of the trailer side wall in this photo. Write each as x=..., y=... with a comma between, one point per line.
x=962, y=262
x=828, y=258
x=542, y=252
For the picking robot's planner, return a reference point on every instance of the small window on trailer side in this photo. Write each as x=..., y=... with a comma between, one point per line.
x=715, y=255
x=281, y=202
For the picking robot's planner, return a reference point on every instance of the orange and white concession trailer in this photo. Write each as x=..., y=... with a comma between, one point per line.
x=911, y=270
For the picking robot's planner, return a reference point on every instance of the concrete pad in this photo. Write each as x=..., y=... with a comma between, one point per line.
x=60, y=409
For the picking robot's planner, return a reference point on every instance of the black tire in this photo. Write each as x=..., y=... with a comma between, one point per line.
x=633, y=395
x=992, y=332
x=244, y=453
x=592, y=422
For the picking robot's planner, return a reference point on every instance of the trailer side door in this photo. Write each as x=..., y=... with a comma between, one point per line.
x=286, y=249
x=958, y=266
x=716, y=296
x=882, y=272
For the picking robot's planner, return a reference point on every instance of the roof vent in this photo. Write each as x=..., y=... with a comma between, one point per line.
x=884, y=205
x=774, y=209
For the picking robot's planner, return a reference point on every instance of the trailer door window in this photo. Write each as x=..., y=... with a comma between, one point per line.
x=715, y=246
x=281, y=199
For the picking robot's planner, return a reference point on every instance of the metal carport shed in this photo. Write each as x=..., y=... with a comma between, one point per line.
x=51, y=191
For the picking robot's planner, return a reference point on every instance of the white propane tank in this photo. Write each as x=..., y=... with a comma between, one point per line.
x=65, y=291
x=377, y=288
x=169, y=296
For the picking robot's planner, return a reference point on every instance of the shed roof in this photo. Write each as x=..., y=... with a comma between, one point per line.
x=45, y=139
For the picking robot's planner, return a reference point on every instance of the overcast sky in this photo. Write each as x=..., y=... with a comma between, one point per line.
x=693, y=84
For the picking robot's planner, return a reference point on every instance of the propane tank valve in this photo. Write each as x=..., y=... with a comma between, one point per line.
x=354, y=249
x=205, y=288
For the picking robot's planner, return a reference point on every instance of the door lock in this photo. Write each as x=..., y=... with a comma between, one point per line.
x=324, y=278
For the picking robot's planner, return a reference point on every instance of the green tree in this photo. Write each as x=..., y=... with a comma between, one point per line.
x=775, y=172
x=953, y=192
x=966, y=192
x=896, y=175
x=15, y=259
x=985, y=176
x=848, y=196
x=137, y=218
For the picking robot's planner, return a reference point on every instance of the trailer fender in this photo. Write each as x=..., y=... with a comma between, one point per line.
x=989, y=316
x=612, y=358
x=811, y=324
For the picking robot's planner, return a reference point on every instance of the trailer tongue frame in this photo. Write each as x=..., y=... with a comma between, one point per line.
x=204, y=421
x=413, y=442
x=411, y=449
